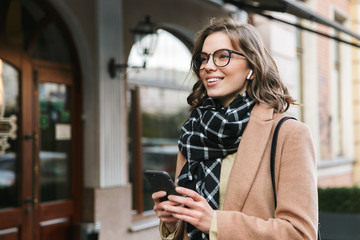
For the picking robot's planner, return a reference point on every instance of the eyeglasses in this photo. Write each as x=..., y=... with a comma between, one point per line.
x=221, y=58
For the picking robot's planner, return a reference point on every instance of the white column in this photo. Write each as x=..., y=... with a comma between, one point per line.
x=112, y=101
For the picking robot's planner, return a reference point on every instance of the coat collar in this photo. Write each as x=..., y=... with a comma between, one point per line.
x=249, y=156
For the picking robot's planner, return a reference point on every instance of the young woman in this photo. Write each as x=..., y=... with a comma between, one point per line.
x=223, y=169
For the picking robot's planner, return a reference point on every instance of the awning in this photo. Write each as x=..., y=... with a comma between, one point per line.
x=295, y=8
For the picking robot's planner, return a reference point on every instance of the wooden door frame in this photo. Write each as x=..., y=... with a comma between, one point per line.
x=64, y=74
x=16, y=217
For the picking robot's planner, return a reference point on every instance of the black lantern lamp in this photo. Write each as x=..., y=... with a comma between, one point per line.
x=145, y=38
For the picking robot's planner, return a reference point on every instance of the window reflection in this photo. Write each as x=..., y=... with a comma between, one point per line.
x=163, y=112
x=9, y=162
x=163, y=88
x=55, y=134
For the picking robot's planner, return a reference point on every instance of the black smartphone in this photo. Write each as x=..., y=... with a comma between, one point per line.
x=161, y=181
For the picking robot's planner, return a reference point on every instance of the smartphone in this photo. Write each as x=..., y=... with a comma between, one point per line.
x=161, y=181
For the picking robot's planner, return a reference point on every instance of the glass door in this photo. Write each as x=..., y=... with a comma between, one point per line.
x=38, y=184
x=16, y=147
x=9, y=142
x=55, y=162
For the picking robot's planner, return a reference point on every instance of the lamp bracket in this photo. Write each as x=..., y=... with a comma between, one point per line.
x=113, y=67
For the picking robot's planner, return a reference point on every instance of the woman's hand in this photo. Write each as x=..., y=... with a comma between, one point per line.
x=198, y=212
x=164, y=215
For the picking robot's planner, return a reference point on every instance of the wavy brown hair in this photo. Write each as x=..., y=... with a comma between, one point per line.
x=266, y=87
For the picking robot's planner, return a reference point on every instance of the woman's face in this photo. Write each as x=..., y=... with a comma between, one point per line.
x=223, y=83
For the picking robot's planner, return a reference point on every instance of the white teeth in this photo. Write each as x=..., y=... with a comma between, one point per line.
x=213, y=80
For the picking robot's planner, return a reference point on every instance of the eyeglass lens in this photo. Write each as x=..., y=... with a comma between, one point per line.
x=221, y=58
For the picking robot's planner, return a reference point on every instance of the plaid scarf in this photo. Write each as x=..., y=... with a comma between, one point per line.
x=210, y=134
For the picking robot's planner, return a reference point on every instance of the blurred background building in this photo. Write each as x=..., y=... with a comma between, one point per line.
x=93, y=92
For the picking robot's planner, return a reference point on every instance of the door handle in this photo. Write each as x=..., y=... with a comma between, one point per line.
x=28, y=202
x=28, y=137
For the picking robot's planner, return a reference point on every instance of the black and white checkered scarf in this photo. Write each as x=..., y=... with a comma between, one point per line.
x=210, y=134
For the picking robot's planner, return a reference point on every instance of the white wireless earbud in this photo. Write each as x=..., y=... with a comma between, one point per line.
x=249, y=75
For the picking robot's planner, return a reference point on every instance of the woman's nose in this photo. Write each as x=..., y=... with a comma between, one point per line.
x=210, y=65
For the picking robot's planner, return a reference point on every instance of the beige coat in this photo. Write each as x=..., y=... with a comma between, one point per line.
x=249, y=203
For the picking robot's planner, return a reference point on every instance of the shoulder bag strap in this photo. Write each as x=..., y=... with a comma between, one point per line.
x=273, y=152
x=272, y=162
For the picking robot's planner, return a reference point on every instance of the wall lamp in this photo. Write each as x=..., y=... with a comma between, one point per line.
x=145, y=38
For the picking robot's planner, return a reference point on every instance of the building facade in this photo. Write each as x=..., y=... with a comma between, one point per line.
x=336, y=99
x=75, y=136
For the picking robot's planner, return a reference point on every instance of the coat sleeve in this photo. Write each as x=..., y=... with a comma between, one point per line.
x=296, y=215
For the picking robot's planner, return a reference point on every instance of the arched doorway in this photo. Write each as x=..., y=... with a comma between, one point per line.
x=40, y=158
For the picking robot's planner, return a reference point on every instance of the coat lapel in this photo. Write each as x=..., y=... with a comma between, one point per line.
x=248, y=158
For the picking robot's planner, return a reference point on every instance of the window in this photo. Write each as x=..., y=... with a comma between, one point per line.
x=336, y=120
x=157, y=109
x=338, y=84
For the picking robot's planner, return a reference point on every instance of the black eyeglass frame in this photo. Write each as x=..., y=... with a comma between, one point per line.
x=208, y=57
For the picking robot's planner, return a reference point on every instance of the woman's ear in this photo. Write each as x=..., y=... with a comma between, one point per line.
x=249, y=75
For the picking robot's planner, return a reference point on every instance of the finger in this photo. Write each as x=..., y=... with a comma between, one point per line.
x=179, y=210
x=187, y=219
x=179, y=200
x=190, y=193
x=157, y=195
x=166, y=217
x=171, y=203
x=159, y=206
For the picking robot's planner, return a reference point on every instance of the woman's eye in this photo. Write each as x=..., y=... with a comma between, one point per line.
x=224, y=56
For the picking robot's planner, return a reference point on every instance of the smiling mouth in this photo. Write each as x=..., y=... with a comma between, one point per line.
x=210, y=80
